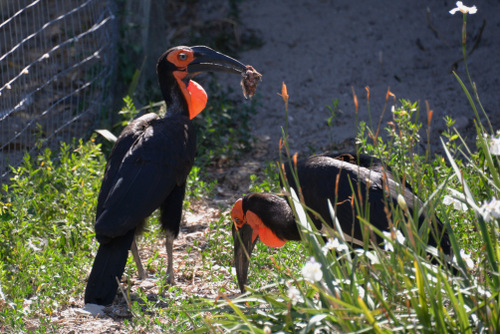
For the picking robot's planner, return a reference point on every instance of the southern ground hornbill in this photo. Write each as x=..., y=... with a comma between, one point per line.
x=149, y=164
x=324, y=177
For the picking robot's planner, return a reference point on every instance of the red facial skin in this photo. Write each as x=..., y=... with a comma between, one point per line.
x=266, y=235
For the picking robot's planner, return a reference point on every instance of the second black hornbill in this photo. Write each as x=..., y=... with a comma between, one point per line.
x=340, y=178
x=149, y=164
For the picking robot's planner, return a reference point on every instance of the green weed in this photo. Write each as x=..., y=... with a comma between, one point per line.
x=47, y=232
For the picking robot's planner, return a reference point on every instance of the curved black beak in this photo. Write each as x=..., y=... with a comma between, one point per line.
x=243, y=247
x=208, y=60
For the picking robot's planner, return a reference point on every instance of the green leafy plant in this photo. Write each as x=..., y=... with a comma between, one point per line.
x=45, y=236
x=334, y=114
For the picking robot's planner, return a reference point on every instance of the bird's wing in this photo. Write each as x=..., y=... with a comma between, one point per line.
x=159, y=159
x=323, y=177
x=122, y=145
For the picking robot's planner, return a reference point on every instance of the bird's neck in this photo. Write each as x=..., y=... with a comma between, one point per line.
x=173, y=96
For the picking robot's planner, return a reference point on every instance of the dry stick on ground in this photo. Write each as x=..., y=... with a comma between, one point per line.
x=436, y=32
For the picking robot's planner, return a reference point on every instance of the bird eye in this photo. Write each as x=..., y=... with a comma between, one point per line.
x=183, y=56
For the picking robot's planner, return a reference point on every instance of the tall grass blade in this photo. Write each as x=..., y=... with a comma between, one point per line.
x=480, y=221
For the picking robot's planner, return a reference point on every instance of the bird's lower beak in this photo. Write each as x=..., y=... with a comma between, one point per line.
x=243, y=247
x=208, y=60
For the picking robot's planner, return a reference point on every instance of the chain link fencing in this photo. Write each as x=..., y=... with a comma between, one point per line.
x=57, y=59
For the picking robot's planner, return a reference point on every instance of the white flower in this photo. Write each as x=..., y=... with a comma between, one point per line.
x=334, y=244
x=361, y=291
x=466, y=258
x=399, y=238
x=463, y=9
x=482, y=291
x=495, y=146
x=370, y=255
x=402, y=202
x=294, y=295
x=373, y=257
x=312, y=271
x=338, y=284
x=490, y=210
x=473, y=315
x=33, y=245
x=457, y=204
x=267, y=330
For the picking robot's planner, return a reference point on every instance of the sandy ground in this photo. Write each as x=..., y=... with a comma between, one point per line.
x=324, y=49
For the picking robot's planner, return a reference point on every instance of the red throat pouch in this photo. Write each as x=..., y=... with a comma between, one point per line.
x=198, y=98
x=265, y=234
x=269, y=238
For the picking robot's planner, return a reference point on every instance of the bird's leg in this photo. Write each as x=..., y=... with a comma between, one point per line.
x=169, y=243
x=137, y=259
x=171, y=215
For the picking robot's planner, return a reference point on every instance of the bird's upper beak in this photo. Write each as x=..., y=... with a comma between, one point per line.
x=244, y=242
x=243, y=247
x=208, y=60
x=247, y=228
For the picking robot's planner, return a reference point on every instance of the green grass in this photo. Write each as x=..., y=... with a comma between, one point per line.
x=46, y=234
x=47, y=241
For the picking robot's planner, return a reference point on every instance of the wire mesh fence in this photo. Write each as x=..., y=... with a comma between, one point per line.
x=56, y=63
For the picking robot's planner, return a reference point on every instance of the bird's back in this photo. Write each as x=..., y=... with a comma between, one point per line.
x=347, y=180
x=322, y=178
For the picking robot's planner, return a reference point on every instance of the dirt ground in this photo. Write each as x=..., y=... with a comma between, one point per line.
x=323, y=50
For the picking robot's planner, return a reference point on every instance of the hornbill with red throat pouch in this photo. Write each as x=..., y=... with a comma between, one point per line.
x=321, y=178
x=148, y=166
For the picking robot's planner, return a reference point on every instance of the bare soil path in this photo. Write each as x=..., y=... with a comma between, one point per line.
x=324, y=49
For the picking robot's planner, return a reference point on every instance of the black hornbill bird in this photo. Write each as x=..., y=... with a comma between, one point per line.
x=323, y=177
x=148, y=166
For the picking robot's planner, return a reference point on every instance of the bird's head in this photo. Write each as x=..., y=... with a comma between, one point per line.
x=250, y=220
x=182, y=63
x=252, y=210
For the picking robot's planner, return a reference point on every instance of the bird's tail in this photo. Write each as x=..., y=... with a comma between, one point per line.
x=109, y=263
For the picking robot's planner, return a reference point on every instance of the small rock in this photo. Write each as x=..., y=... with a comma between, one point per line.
x=119, y=310
x=147, y=285
x=462, y=122
x=91, y=309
